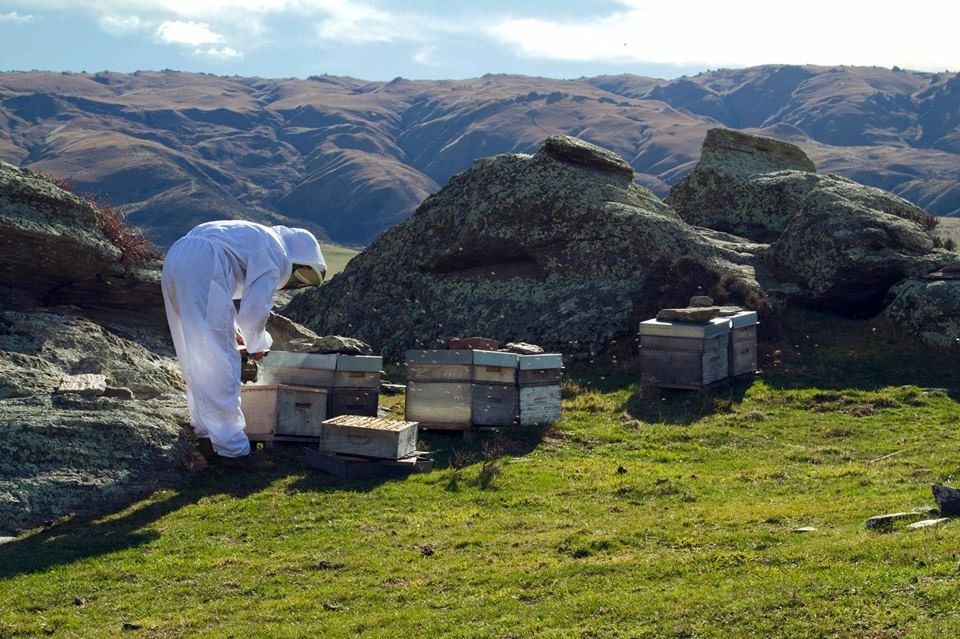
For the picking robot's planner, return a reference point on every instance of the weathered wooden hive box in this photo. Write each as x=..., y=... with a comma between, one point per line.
x=356, y=385
x=352, y=380
x=280, y=411
x=368, y=437
x=539, y=379
x=743, y=344
x=494, y=392
x=439, y=388
x=298, y=369
x=684, y=354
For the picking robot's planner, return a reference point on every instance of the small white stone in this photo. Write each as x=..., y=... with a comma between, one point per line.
x=804, y=529
x=7, y=540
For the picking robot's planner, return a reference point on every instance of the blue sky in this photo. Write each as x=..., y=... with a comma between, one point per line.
x=380, y=40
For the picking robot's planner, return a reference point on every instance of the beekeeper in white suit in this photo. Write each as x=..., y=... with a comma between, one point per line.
x=203, y=272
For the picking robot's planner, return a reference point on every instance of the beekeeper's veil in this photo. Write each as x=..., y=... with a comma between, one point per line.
x=304, y=251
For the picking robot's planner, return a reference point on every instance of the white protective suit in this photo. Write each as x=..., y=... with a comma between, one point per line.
x=204, y=271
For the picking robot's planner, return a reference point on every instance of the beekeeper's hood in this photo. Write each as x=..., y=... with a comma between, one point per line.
x=303, y=250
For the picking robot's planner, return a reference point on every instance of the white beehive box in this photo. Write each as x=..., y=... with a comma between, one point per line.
x=275, y=411
x=358, y=371
x=684, y=354
x=439, y=404
x=539, y=404
x=368, y=436
x=743, y=344
x=299, y=369
x=439, y=366
x=493, y=367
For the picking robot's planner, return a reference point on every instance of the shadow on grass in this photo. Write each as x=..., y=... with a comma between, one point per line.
x=683, y=407
x=828, y=352
x=91, y=536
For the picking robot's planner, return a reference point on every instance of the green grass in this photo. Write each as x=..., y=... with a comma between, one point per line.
x=643, y=513
x=337, y=257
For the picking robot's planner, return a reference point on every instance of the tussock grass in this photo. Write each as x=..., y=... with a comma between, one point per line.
x=643, y=513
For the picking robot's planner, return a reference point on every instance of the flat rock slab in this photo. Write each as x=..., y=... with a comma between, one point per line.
x=696, y=314
x=87, y=384
x=881, y=522
x=927, y=523
x=804, y=529
x=329, y=344
x=6, y=540
x=522, y=348
x=948, y=499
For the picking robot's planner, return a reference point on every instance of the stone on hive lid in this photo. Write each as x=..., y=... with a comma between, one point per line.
x=522, y=348
x=700, y=301
x=704, y=314
x=329, y=344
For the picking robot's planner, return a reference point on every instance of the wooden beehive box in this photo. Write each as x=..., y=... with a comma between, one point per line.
x=684, y=354
x=369, y=437
x=299, y=369
x=358, y=371
x=539, y=404
x=743, y=344
x=493, y=404
x=354, y=401
x=492, y=367
x=277, y=411
x=440, y=404
x=438, y=388
x=439, y=366
x=539, y=379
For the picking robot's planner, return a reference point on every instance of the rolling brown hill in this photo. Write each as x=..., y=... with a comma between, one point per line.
x=350, y=158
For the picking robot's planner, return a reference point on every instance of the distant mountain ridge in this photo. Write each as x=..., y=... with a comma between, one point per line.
x=350, y=158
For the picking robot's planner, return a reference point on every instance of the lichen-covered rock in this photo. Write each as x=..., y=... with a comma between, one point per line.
x=329, y=344
x=48, y=238
x=283, y=330
x=834, y=243
x=927, y=307
x=62, y=453
x=845, y=256
x=754, y=186
x=721, y=192
x=560, y=249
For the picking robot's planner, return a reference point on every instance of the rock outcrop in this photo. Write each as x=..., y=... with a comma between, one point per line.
x=559, y=249
x=71, y=308
x=928, y=307
x=834, y=243
x=68, y=452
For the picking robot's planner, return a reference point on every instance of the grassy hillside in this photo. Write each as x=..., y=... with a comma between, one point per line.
x=641, y=514
x=949, y=228
x=337, y=257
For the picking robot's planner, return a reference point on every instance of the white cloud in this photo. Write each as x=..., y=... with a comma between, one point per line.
x=223, y=53
x=424, y=55
x=188, y=33
x=748, y=32
x=120, y=25
x=15, y=18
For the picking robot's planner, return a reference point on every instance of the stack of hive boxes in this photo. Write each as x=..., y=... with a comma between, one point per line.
x=460, y=389
x=680, y=354
x=298, y=391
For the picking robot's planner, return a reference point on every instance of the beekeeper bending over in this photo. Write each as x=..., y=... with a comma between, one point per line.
x=204, y=271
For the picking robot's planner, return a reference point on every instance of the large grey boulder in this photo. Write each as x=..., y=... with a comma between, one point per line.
x=928, y=307
x=92, y=412
x=834, y=243
x=65, y=452
x=722, y=192
x=48, y=238
x=560, y=249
